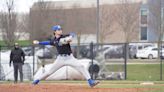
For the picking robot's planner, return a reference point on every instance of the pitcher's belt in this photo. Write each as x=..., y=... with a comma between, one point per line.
x=65, y=54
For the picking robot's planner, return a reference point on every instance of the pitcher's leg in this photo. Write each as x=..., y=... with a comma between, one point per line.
x=78, y=66
x=53, y=69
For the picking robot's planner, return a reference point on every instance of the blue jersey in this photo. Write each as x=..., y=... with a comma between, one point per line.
x=61, y=48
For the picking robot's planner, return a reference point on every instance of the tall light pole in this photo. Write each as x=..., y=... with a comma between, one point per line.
x=161, y=37
x=0, y=65
x=98, y=23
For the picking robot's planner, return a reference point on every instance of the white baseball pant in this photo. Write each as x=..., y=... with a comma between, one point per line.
x=68, y=60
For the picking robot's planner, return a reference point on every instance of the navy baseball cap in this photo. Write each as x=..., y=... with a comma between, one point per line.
x=56, y=27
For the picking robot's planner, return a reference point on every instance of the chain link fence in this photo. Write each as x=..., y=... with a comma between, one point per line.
x=107, y=61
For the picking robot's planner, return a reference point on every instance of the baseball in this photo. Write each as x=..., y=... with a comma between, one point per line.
x=35, y=42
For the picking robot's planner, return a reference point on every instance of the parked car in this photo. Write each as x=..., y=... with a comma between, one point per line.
x=84, y=51
x=149, y=52
x=135, y=47
x=115, y=53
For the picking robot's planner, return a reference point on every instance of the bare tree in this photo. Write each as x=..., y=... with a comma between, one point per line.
x=39, y=20
x=9, y=23
x=106, y=22
x=76, y=21
x=77, y=24
x=127, y=14
x=23, y=25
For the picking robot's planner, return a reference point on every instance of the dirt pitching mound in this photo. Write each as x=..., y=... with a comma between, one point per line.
x=63, y=88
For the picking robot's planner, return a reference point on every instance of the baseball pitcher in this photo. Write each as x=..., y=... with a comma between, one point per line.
x=65, y=57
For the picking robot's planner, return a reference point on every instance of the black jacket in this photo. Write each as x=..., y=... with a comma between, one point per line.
x=17, y=56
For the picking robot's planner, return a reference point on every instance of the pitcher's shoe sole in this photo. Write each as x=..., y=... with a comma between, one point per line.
x=35, y=82
x=96, y=83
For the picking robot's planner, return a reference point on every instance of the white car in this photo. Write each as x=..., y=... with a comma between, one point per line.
x=149, y=52
x=135, y=47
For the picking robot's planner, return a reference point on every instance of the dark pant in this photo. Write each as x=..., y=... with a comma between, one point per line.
x=18, y=66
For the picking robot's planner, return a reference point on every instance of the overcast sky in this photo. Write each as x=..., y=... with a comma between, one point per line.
x=21, y=5
x=24, y=5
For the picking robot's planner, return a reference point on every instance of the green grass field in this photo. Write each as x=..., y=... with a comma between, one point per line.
x=22, y=43
x=146, y=72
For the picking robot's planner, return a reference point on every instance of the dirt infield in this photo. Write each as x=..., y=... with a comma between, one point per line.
x=64, y=88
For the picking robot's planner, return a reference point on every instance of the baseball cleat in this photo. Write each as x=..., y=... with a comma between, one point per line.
x=92, y=83
x=35, y=82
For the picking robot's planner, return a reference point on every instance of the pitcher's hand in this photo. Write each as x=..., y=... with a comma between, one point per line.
x=36, y=42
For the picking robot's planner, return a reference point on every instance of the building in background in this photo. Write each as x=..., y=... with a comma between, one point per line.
x=151, y=20
x=80, y=17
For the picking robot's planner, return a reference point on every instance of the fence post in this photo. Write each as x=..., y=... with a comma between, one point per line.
x=161, y=69
x=0, y=65
x=126, y=58
x=33, y=59
x=161, y=57
x=91, y=56
x=43, y=61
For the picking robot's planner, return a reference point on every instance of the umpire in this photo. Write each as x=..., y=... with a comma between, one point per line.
x=17, y=56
